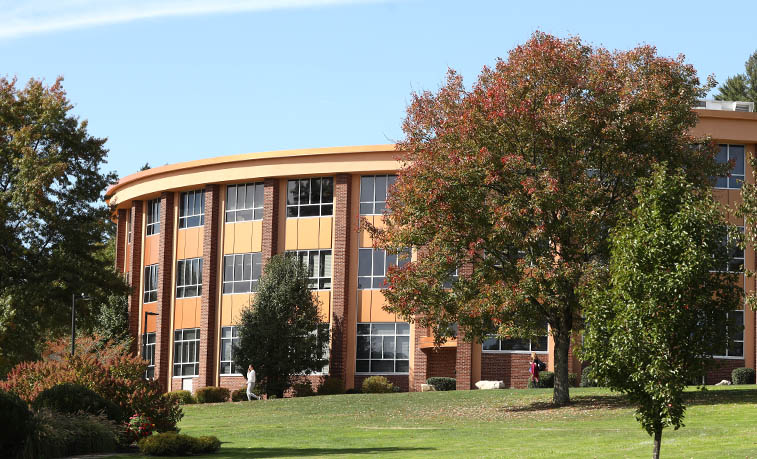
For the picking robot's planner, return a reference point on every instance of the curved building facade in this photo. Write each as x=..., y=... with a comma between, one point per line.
x=193, y=237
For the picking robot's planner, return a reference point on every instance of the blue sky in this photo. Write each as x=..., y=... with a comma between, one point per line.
x=170, y=81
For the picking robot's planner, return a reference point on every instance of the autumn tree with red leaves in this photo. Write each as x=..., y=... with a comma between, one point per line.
x=518, y=180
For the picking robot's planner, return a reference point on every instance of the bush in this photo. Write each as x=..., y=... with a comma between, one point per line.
x=139, y=426
x=377, y=385
x=213, y=395
x=183, y=397
x=64, y=434
x=742, y=376
x=331, y=386
x=303, y=389
x=173, y=444
x=16, y=421
x=587, y=379
x=70, y=398
x=440, y=383
x=353, y=390
x=239, y=395
x=573, y=379
x=546, y=380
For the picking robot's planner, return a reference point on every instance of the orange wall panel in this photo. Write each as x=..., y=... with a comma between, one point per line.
x=291, y=234
x=242, y=237
x=325, y=225
x=151, y=249
x=189, y=243
x=324, y=304
x=257, y=236
x=307, y=233
x=364, y=305
x=232, y=306
x=187, y=313
x=377, y=308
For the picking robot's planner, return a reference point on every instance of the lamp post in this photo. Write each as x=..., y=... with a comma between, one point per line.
x=73, y=320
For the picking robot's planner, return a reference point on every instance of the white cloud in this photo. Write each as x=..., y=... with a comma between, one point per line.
x=19, y=18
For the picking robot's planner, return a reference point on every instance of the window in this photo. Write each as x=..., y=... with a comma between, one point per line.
x=735, y=347
x=153, y=217
x=325, y=348
x=735, y=154
x=515, y=345
x=736, y=259
x=318, y=265
x=128, y=226
x=189, y=278
x=310, y=197
x=151, y=284
x=372, y=266
x=192, y=209
x=383, y=347
x=229, y=341
x=148, y=353
x=453, y=277
x=244, y=202
x=241, y=272
x=186, y=352
x=373, y=192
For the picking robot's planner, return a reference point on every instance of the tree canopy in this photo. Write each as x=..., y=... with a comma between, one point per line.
x=658, y=315
x=280, y=333
x=53, y=220
x=742, y=86
x=518, y=180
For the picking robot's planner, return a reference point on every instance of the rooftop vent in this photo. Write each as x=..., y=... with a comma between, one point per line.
x=726, y=105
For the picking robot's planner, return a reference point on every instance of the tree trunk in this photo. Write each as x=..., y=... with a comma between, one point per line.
x=657, y=440
x=561, y=394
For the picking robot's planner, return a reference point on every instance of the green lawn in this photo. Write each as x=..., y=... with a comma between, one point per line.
x=721, y=422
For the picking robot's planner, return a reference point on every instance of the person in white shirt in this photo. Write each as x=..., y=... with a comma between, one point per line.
x=251, y=383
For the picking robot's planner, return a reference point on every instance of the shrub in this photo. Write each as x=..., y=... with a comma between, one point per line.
x=70, y=398
x=303, y=389
x=239, y=395
x=353, y=390
x=573, y=379
x=331, y=386
x=183, y=397
x=546, y=380
x=742, y=376
x=16, y=421
x=440, y=383
x=213, y=395
x=587, y=379
x=377, y=385
x=139, y=426
x=64, y=434
x=173, y=444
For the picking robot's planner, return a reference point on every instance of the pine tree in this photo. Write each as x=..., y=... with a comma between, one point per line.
x=742, y=87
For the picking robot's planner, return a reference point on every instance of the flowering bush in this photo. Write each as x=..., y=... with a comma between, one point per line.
x=139, y=426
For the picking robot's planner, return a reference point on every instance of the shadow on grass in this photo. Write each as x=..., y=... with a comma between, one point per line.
x=304, y=452
x=721, y=397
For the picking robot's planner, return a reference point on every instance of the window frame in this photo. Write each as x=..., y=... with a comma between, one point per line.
x=148, y=353
x=234, y=341
x=256, y=260
x=318, y=279
x=728, y=178
x=727, y=355
x=501, y=341
x=371, y=201
x=152, y=225
x=184, y=213
x=255, y=212
x=325, y=208
x=192, y=344
x=370, y=358
x=185, y=269
x=150, y=284
x=400, y=259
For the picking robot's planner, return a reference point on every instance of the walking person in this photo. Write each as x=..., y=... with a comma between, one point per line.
x=251, y=383
x=534, y=369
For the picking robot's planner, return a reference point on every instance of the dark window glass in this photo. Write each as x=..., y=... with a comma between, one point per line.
x=241, y=272
x=383, y=347
x=192, y=209
x=310, y=197
x=153, y=217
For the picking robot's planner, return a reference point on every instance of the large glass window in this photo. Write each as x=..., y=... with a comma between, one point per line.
x=151, y=284
x=186, y=352
x=373, y=192
x=153, y=217
x=325, y=348
x=318, y=265
x=735, y=336
x=310, y=197
x=192, y=209
x=148, y=353
x=383, y=347
x=735, y=262
x=189, y=278
x=241, y=272
x=128, y=226
x=373, y=264
x=515, y=345
x=735, y=155
x=244, y=202
x=229, y=341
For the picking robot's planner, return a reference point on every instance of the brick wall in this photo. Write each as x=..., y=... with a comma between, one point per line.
x=209, y=311
x=463, y=362
x=135, y=270
x=401, y=381
x=120, y=240
x=165, y=288
x=440, y=363
x=233, y=382
x=510, y=368
x=722, y=370
x=341, y=282
x=421, y=359
x=270, y=219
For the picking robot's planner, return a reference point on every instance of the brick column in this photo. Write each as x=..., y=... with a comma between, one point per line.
x=341, y=282
x=420, y=364
x=135, y=270
x=209, y=311
x=165, y=289
x=463, y=362
x=270, y=219
x=120, y=240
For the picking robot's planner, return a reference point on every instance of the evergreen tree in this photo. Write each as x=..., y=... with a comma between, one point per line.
x=742, y=86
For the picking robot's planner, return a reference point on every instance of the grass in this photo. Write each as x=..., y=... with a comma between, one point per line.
x=721, y=422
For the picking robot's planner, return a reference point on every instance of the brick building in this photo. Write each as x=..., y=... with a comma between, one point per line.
x=192, y=239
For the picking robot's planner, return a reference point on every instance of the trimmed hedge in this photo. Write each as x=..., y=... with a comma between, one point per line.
x=212, y=395
x=303, y=389
x=442, y=384
x=174, y=444
x=17, y=423
x=377, y=385
x=331, y=386
x=239, y=395
x=71, y=398
x=184, y=397
x=742, y=375
x=587, y=380
x=65, y=434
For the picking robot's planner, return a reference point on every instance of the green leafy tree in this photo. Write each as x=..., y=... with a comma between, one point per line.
x=742, y=86
x=279, y=332
x=655, y=319
x=519, y=179
x=112, y=319
x=53, y=221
